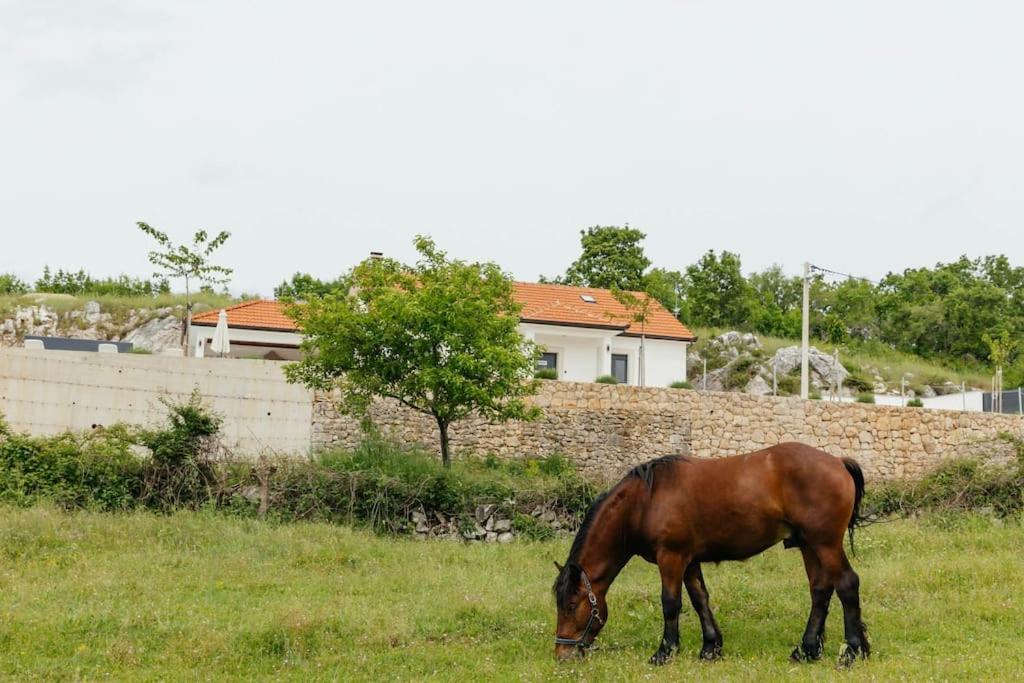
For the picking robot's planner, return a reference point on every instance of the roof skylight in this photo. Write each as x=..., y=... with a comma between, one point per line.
x=588, y=299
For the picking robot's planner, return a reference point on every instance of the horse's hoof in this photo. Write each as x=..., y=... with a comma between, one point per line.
x=848, y=655
x=662, y=656
x=802, y=653
x=711, y=653
x=796, y=656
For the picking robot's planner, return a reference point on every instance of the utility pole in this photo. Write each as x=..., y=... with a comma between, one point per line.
x=805, y=375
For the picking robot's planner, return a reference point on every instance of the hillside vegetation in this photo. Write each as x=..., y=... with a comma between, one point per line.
x=866, y=360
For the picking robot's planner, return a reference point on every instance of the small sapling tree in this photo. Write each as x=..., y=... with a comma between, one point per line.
x=440, y=337
x=188, y=262
x=639, y=309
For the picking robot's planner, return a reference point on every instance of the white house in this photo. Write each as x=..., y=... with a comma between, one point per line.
x=585, y=333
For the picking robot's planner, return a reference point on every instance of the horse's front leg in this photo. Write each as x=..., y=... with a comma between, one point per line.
x=671, y=566
x=698, y=591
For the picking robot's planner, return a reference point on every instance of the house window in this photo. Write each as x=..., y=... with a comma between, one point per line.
x=548, y=361
x=620, y=367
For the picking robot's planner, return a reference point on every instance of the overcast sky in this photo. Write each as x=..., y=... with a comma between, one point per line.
x=862, y=136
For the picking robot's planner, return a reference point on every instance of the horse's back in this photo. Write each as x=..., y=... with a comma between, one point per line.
x=741, y=504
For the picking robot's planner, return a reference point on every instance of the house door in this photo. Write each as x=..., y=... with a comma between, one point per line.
x=620, y=367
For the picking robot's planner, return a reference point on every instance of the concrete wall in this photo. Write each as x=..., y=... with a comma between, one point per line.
x=609, y=428
x=45, y=392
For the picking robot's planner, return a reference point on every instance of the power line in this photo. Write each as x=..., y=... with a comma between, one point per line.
x=844, y=274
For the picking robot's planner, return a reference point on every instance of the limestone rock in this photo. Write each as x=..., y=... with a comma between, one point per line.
x=156, y=335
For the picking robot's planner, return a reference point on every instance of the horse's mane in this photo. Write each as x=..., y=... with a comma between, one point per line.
x=569, y=576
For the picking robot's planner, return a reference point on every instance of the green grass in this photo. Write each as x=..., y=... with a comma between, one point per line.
x=890, y=364
x=204, y=596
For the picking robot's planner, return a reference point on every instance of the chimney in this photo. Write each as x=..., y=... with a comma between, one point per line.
x=377, y=254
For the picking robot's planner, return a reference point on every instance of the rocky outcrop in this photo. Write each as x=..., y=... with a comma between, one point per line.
x=740, y=364
x=150, y=329
x=157, y=334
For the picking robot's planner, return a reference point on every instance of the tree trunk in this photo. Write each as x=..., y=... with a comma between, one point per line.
x=442, y=427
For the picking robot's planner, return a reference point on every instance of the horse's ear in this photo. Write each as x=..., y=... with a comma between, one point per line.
x=558, y=567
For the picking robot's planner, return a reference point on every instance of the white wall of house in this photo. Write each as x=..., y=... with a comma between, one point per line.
x=584, y=354
x=248, y=343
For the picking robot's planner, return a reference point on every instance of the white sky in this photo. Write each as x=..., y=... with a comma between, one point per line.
x=863, y=136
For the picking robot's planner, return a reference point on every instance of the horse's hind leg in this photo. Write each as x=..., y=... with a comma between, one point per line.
x=812, y=645
x=698, y=592
x=847, y=585
x=671, y=567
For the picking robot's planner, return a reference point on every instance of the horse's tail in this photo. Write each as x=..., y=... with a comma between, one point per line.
x=857, y=474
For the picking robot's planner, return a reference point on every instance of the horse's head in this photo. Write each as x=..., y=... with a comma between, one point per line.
x=581, y=612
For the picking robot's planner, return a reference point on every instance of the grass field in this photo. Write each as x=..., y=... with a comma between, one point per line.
x=205, y=596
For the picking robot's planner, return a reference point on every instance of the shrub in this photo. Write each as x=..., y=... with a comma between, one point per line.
x=380, y=484
x=180, y=471
x=11, y=284
x=957, y=485
x=865, y=397
x=915, y=403
x=546, y=373
x=814, y=395
x=95, y=470
x=606, y=379
x=681, y=384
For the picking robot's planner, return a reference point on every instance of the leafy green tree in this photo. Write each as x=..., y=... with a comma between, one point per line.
x=12, y=284
x=440, y=337
x=669, y=288
x=776, y=302
x=718, y=293
x=303, y=286
x=612, y=257
x=190, y=263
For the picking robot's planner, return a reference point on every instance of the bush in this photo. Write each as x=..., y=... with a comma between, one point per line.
x=380, y=484
x=11, y=284
x=546, y=373
x=915, y=403
x=94, y=470
x=180, y=471
x=377, y=484
x=958, y=485
x=865, y=397
x=606, y=379
x=681, y=384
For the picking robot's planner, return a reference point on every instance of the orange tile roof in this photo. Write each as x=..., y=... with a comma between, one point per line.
x=258, y=314
x=563, y=305
x=542, y=303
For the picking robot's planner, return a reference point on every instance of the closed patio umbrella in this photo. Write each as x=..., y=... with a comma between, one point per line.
x=221, y=344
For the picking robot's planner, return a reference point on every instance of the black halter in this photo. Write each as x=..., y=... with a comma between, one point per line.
x=595, y=615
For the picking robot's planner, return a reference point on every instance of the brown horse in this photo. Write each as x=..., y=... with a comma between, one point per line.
x=679, y=512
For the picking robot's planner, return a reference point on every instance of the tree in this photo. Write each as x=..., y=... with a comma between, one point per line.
x=190, y=263
x=668, y=287
x=303, y=286
x=440, y=337
x=12, y=284
x=612, y=257
x=718, y=294
x=639, y=308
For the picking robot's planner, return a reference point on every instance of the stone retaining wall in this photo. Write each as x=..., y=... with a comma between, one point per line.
x=609, y=428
